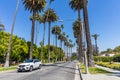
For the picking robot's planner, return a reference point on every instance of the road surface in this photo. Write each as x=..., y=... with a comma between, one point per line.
x=64, y=71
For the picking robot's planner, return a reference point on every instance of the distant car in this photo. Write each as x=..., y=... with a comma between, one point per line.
x=29, y=65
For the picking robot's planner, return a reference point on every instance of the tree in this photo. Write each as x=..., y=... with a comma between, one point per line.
x=76, y=29
x=77, y=5
x=61, y=38
x=34, y=6
x=10, y=42
x=95, y=36
x=50, y=16
x=88, y=38
x=56, y=30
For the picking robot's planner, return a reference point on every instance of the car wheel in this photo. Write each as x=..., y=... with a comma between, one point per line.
x=39, y=67
x=31, y=68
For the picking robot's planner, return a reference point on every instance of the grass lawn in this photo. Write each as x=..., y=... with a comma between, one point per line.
x=10, y=68
x=93, y=70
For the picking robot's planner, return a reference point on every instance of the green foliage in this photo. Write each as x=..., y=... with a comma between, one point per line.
x=109, y=65
x=103, y=58
x=93, y=70
x=116, y=58
x=20, y=50
x=74, y=56
x=10, y=68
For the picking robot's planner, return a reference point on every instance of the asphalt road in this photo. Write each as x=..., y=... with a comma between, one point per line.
x=64, y=71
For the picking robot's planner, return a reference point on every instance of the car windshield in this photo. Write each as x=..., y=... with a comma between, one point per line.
x=28, y=61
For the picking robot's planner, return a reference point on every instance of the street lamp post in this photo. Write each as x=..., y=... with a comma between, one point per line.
x=84, y=49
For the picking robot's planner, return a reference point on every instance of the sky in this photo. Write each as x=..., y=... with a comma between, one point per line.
x=104, y=19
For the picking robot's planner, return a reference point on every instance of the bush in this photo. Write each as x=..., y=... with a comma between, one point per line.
x=109, y=65
x=116, y=58
x=103, y=58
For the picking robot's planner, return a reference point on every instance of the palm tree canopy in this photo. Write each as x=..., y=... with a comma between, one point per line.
x=62, y=26
x=76, y=4
x=50, y=16
x=34, y=5
x=76, y=28
x=56, y=30
x=95, y=36
x=37, y=17
x=61, y=37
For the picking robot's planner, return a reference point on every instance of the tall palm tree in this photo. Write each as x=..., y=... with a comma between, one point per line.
x=70, y=46
x=56, y=30
x=95, y=36
x=76, y=29
x=61, y=38
x=50, y=16
x=37, y=18
x=34, y=6
x=44, y=23
x=88, y=38
x=10, y=42
x=77, y=5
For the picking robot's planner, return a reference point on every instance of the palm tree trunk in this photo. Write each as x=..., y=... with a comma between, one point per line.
x=56, y=39
x=49, y=41
x=96, y=47
x=80, y=37
x=44, y=34
x=87, y=30
x=37, y=31
x=10, y=42
x=32, y=36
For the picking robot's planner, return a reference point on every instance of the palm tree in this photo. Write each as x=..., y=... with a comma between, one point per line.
x=37, y=18
x=61, y=38
x=77, y=5
x=62, y=26
x=56, y=30
x=95, y=36
x=88, y=38
x=34, y=6
x=10, y=42
x=44, y=23
x=76, y=29
x=70, y=46
x=50, y=16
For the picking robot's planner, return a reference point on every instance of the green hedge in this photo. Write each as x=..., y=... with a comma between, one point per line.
x=109, y=65
x=103, y=58
x=116, y=58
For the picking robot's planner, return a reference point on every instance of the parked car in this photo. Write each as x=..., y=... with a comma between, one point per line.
x=29, y=65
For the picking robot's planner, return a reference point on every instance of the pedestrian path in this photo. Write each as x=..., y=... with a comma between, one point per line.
x=114, y=76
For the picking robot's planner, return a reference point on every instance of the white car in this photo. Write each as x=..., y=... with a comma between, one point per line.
x=29, y=65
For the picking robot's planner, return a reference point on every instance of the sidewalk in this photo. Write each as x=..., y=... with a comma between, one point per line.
x=114, y=76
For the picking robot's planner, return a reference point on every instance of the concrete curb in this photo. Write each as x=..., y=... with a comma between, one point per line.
x=77, y=73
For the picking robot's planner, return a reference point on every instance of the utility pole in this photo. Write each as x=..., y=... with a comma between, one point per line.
x=84, y=49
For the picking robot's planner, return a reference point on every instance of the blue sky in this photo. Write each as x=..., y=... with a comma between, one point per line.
x=104, y=19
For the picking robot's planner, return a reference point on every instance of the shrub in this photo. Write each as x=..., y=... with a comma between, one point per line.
x=116, y=58
x=107, y=64
x=103, y=58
